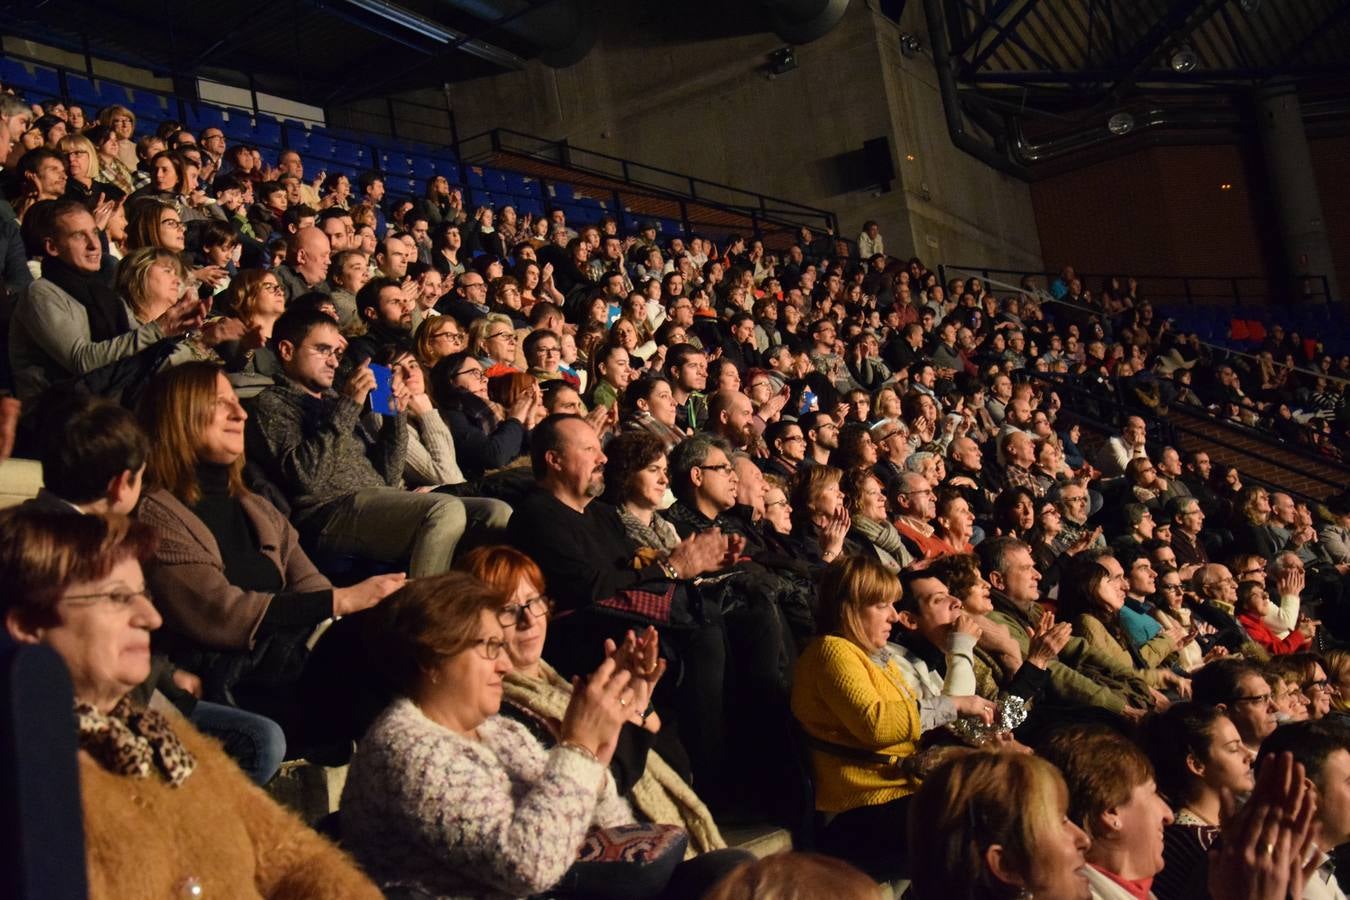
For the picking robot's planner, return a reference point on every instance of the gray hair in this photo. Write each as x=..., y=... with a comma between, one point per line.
x=688, y=455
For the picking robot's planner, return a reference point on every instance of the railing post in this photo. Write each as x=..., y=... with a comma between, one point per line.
x=684, y=215
x=564, y=152
x=693, y=190
x=623, y=167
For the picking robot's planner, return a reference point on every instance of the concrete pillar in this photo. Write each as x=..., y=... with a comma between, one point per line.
x=1284, y=144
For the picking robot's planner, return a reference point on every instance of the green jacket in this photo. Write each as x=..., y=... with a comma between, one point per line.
x=1081, y=674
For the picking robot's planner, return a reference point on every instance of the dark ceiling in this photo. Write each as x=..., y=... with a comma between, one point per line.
x=1035, y=82
x=316, y=51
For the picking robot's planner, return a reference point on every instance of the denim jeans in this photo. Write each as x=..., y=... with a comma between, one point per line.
x=255, y=742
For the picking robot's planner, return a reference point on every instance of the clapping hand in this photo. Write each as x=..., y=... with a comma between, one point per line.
x=1265, y=842
x=640, y=655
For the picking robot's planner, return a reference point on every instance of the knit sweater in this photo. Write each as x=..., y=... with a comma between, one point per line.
x=319, y=450
x=841, y=696
x=494, y=818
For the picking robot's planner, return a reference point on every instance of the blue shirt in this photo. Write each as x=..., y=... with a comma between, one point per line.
x=1139, y=626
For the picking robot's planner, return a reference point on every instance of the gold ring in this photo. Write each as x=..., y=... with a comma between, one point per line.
x=1269, y=849
x=623, y=702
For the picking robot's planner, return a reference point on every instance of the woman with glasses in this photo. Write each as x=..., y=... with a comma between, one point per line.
x=450, y=798
x=151, y=282
x=1170, y=609
x=74, y=584
x=1313, y=682
x=437, y=338
x=492, y=339
x=486, y=436
x=82, y=171
x=871, y=529
x=536, y=696
x=157, y=222
x=257, y=300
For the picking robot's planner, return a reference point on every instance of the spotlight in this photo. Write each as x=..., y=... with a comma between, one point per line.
x=910, y=45
x=782, y=61
x=1121, y=123
x=1184, y=60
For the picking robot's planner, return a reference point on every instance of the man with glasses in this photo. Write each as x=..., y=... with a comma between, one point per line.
x=1187, y=521
x=341, y=470
x=1119, y=449
x=916, y=505
x=1214, y=603
x=1071, y=498
x=822, y=437
x=1237, y=687
x=468, y=303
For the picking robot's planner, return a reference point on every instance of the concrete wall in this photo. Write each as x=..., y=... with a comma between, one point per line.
x=707, y=108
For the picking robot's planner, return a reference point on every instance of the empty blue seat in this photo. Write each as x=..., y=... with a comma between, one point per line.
x=204, y=115
x=35, y=81
x=422, y=167
x=81, y=90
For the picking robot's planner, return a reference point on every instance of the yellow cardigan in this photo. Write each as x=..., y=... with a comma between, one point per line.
x=841, y=696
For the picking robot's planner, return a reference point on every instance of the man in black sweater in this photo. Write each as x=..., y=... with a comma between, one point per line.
x=588, y=562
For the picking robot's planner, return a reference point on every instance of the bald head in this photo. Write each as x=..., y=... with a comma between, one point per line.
x=309, y=254
x=731, y=414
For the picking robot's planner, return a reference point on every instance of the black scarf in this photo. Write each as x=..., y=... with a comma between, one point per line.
x=107, y=314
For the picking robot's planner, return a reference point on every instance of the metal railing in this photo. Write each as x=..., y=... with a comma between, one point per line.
x=1083, y=403
x=1200, y=290
x=645, y=178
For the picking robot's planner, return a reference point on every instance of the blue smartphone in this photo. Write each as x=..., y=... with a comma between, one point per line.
x=808, y=402
x=382, y=398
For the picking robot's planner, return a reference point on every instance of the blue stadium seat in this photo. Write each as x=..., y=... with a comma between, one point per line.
x=267, y=131
x=560, y=191
x=204, y=115
x=81, y=89
x=36, y=81
x=422, y=167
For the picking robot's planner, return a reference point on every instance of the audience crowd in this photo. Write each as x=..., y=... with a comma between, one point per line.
x=580, y=545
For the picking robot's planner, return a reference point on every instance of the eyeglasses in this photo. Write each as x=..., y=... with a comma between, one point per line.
x=1259, y=699
x=173, y=223
x=475, y=373
x=509, y=335
x=273, y=288
x=326, y=351
x=793, y=438
x=720, y=467
x=1170, y=587
x=511, y=614
x=776, y=503
x=1321, y=684
x=119, y=599
x=489, y=648
x=542, y=350
x=454, y=336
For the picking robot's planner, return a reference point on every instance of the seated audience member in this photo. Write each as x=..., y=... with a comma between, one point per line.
x=611, y=371
x=536, y=696
x=1154, y=645
x=820, y=520
x=787, y=448
x=69, y=322
x=430, y=460
x=649, y=406
x=1001, y=673
x=492, y=339
x=1312, y=681
x=1188, y=520
x=242, y=602
x=1213, y=601
x=915, y=505
x=1091, y=596
x=777, y=508
x=954, y=523
x=1323, y=752
x=636, y=485
x=934, y=643
x=994, y=824
x=1198, y=758
x=341, y=473
x=449, y=797
x=1082, y=676
x=1119, y=449
x=1253, y=609
x=861, y=719
x=704, y=480
x=306, y=267
x=150, y=281
x=1171, y=612
x=486, y=436
x=435, y=339
x=387, y=315
x=74, y=584
x=256, y=299
x=1236, y=687
x=605, y=585
x=1114, y=798
x=870, y=531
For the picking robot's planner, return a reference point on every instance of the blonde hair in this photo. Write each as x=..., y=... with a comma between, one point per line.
x=852, y=583
x=245, y=293
x=177, y=408
x=480, y=328
x=80, y=142
x=133, y=273
x=795, y=876
x=972, y=801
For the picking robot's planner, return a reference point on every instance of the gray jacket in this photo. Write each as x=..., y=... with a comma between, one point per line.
x=49, y=340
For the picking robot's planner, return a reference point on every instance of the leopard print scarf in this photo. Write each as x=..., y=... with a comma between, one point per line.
x=135, y=742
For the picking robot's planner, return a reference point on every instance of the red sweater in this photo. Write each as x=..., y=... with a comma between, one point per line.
x=1260, y=632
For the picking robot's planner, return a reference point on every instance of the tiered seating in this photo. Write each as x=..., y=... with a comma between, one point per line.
x=1242, y=327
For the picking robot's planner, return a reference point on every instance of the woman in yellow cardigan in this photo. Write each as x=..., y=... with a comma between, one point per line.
x=862, y=720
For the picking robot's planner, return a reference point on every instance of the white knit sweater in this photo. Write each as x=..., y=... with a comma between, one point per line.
x=495, y=818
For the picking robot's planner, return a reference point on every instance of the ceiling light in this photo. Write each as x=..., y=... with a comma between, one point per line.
x=1184, y=60
x=910, y=46
x=1120, y=123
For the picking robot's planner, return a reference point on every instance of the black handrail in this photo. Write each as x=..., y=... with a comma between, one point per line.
x=562, y=152
x=1190, y=286
x=1167, y=429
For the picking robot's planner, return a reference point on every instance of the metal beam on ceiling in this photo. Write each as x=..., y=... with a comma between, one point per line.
x=1183, y=17
x=1003, y=33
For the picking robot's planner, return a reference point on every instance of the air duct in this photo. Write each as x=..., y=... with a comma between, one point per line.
x=564, y=30
x=803, y=21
